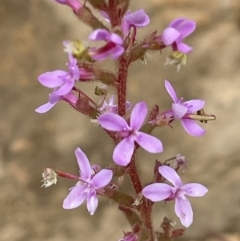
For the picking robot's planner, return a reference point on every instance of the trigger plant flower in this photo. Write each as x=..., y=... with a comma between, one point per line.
x=138, y=19
x=113, y=47
x=177, y=191
x=130, y=133
x=176, y=32
x=181, y=110
x=61, y=81
x=88, y=186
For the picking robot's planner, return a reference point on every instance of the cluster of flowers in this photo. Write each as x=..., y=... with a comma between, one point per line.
x=126, y=129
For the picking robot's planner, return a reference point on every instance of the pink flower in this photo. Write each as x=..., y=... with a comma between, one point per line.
x=130, y=133
x=180, y=111
x=113, y=47
x=61, y=81
x=176, y=32
x=161, y=191
x=74, y=4
x=88, y=186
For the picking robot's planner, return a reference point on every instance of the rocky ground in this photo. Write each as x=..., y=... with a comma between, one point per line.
x=31, y=33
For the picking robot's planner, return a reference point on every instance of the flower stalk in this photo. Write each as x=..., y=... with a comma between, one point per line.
x=130, y=126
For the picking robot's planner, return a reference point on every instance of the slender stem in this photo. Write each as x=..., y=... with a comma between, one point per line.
x=122, y=85
x=132, y=171
x=67, y=175
x=145, y=209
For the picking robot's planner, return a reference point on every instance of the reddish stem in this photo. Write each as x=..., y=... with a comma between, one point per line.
x=67, y=175
x=122, y=85
x=145, y=208
x=132, y=171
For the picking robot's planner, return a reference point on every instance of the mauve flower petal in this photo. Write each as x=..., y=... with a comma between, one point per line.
x=75, y=198
x=92, y=203
x=194, y=105
x=157, y=192
x=105, y=15
x=128, y=105
x=99, y=34
x=138, y=115
x=83, y=163
x=102, y=178
x=171, y=175
x=73, y=68
x=44, y=108
x=176, y=22
x=117, y=51
x=97, y=54
x=111, y=100
x=125, y=26
x=138, y=18
x=183, y=209
x=115, y=38
x=171, y=91
x=102, y=53
x=53, y=99
x=186, y=27
x=192, y=128
x=183, y=48
x=112, y=122
x=194, y=189
x=149, y=143
x=169, y=36
x=74, y=4
x=123, y=151
x=70, y=97
x=65, y=88
x=179, y=110
x=52, y=79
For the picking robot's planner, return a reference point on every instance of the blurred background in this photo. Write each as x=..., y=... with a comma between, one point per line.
x=31, y=34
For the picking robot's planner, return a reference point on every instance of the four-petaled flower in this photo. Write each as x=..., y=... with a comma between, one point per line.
x=176, y=32
x=181, y=110
x=112, y=48
x=161, y=191
x=89, y=185
x=130, y=133
x=61, y=81
x=74, y=4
